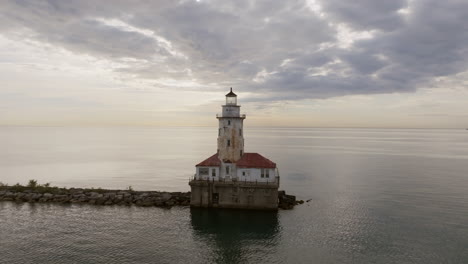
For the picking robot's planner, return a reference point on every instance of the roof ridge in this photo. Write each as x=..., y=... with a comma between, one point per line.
x=212, y=161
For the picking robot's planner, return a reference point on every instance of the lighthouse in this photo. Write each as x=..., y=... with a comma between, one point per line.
x=230, y=137
x=232, y=178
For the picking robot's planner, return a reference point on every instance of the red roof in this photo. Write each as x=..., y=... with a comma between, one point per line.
x=212, y=161
x=255, y=160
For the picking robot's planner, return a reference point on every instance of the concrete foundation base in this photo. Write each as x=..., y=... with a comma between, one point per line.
x=232, y=194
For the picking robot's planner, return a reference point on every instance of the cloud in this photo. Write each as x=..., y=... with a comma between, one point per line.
x=280, y=50
x=366, y=14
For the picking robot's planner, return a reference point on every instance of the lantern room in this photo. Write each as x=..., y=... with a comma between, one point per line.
x=231, y=98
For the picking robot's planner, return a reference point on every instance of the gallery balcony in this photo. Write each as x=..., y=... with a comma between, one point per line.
x=242, y=116
x=273, y=182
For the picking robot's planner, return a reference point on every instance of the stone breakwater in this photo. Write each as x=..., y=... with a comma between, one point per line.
x=111, y=197
x=97, y=197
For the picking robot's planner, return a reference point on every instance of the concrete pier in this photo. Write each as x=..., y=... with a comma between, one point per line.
x=234, y=194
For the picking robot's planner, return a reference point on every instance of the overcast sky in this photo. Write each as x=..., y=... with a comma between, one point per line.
x=317, y=63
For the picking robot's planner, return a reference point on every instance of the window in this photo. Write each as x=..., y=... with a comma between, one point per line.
x=241, y=152
x=229, y=143
x=265, y=173
x=240, y=131
x=229, y=122
x=227, y=170
x=213, y=172
x=215, y=198
x=203, y=171
x=243, y=173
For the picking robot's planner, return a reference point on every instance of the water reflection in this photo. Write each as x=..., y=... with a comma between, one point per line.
x=235, y=236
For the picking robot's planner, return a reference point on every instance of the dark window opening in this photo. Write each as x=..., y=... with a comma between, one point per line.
x=240, y=132
x=262, y=172
x=267, y=173
x=243, y=173
x=227, y=170
x=241, y=152
x=229, y=143
x=213, y=172
x=203, y=171
x=229, y=122
x=215, y=198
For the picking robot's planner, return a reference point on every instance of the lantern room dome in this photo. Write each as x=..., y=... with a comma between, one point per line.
x=231, y=94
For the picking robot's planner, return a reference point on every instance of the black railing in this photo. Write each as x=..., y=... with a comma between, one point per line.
x=235, y=180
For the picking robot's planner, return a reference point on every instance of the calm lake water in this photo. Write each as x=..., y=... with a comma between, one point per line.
x=378, y=196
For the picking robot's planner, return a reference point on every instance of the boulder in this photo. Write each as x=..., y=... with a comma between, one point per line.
x=37, y=196
x=166, y=196
x=125, y=194
x=118, y=198
x=100, y=201
x=158, y=202
x=147, y=203
x=110, y=195
x=95, y=195
x=9, y=195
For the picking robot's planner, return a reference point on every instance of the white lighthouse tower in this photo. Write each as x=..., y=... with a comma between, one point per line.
x=232, y=178
x=230, y=136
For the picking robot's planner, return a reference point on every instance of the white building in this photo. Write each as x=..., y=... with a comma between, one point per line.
x=231, y=163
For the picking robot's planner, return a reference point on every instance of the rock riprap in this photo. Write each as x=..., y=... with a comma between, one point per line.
x=111, y=197
x=95, y=196
x=286, y=201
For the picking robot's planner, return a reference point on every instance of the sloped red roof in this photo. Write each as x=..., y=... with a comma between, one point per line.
x=212, y=161
x=255, y=160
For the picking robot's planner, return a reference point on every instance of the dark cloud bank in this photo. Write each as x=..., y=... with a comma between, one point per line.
x=281, y=50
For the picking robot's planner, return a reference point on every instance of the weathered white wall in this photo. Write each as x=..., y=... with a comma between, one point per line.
x=254, y=174
x=230, y=129
x=205, y=177
x=251, y=174
x=231, y=110
x=232, y=171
